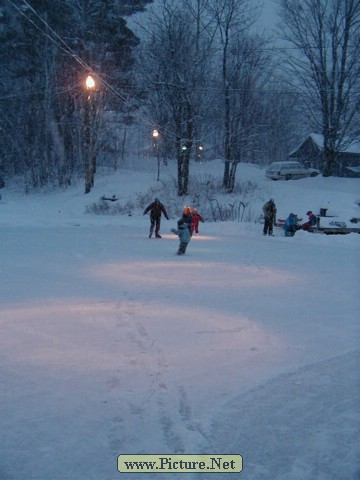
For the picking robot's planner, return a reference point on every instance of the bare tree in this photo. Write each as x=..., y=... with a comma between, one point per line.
x=324, y=65
x=204, y=73
x=172, y=73
x=233, y=18
x=281, y=124
x=250, y=72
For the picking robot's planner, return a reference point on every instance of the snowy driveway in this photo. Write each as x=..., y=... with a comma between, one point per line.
x=111, y=344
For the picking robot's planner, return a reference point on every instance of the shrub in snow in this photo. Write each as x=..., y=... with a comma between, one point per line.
x=205, y=193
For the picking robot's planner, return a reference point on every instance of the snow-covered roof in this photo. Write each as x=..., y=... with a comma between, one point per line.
x=353, y=148
x=317, y=138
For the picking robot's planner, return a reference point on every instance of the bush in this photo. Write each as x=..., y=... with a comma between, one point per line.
x=206, y=194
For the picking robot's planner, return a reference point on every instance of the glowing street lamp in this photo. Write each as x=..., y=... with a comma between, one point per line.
x=89, y=140
x=90, y=82
x=156, y=138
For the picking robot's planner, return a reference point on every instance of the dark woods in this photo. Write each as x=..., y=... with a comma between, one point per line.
x=200, y=72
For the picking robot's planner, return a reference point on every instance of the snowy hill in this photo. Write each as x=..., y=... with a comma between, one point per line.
x=111, y=344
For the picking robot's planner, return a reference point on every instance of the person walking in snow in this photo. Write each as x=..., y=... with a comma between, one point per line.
x=311, y=221
x=156, y=208
x=183, y=232
x=269, y=210
x=196, y=218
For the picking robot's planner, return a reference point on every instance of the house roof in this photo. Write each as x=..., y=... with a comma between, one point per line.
x=353, y=148
x=318, y=139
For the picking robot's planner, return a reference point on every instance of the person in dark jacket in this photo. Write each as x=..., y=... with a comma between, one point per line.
x=183, y=232
x=311, y=221
x=269, y=210
x=187, y=217
x=156, y=208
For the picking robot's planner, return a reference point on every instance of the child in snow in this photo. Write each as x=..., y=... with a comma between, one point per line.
x=187, y=216
x=291, y=225
x=196, y=218
x=183, y=231
x=311, y=222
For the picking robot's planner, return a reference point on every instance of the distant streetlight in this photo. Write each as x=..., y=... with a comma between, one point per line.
x=90, y=82
x=156, y=138
x=89, y=140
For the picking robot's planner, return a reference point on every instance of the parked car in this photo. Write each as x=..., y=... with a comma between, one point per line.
x=289, y=170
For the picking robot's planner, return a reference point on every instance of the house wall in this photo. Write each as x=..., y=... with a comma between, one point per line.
x=308, y=154
x=347, y=160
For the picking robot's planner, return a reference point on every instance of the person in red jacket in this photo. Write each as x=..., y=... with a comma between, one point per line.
x=156, y=208
x=196, y=218
x=311, y=222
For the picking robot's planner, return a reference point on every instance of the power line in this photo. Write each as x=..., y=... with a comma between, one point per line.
x=60, y=42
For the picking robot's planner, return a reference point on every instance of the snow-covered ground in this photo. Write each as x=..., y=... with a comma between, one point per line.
x=111, y=344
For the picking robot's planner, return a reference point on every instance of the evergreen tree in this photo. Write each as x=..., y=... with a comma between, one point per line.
x=49, y=47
